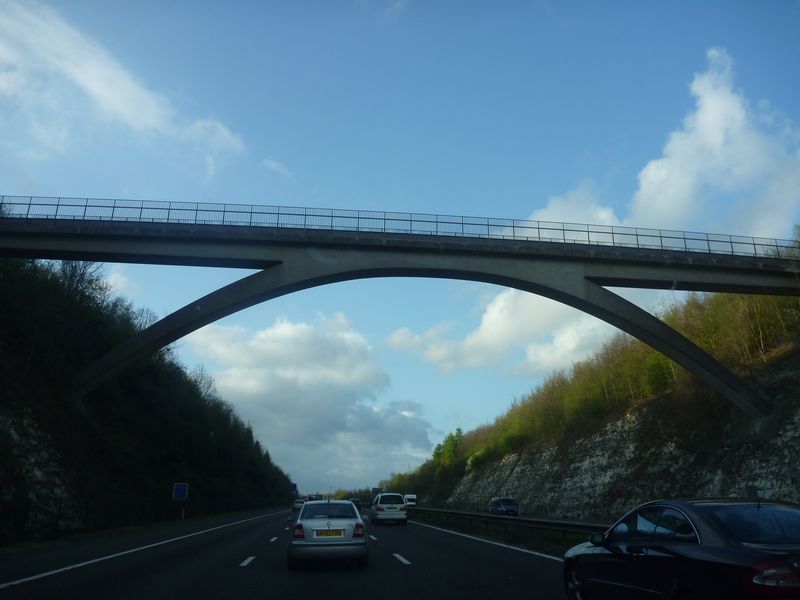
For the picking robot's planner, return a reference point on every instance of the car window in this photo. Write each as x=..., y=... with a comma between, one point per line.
x=674, y=526
x=758, y=524
x=638, y=525
x=391, y=499
x=328, y=511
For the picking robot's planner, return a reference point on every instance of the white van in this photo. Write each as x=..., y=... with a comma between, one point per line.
x=411, y=499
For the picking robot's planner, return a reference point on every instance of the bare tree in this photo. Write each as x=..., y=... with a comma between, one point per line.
x=83, y=278
x=144, y=318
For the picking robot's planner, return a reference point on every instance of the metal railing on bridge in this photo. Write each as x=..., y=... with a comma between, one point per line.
x=200, y=213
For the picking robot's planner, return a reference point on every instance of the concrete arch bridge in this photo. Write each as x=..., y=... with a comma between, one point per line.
x=301, y=248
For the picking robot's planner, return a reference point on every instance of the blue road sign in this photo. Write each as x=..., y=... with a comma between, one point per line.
x=180, y=492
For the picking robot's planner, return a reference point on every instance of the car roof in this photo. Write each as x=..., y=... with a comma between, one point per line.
x=328, y=502
x=711, y=501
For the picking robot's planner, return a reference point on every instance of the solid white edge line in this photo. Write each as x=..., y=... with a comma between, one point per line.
x=247, y=561
x=477, y=539
x=401, y=559
x=131, y=551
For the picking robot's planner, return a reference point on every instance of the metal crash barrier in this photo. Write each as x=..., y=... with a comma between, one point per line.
x=519, y=529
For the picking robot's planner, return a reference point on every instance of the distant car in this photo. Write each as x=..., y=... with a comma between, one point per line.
x=504, y=506
x=691, y=549
x=357, y=502
x=411, y=499
x=298, y=504
x=389, y=507
x=327, y=530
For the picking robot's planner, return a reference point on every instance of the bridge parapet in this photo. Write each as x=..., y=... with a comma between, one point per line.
x=390, y=223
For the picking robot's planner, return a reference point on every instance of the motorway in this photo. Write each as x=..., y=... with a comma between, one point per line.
x=244, y=556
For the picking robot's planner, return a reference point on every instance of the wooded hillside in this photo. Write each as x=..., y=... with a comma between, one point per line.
x=111, y=458
x=743, y=332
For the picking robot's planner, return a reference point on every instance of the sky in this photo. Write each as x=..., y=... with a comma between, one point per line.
x=670, y=115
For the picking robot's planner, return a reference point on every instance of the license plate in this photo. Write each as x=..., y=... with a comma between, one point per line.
x=329, y=532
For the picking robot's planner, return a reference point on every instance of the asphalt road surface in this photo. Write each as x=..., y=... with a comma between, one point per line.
x=244, y=556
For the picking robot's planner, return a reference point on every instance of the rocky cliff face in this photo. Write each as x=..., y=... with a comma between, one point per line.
x=36, y=494
x=657, y=450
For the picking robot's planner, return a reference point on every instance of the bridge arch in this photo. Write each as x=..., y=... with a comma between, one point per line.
x=297, y=268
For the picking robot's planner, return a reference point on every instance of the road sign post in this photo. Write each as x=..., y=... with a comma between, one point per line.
x=180, y=493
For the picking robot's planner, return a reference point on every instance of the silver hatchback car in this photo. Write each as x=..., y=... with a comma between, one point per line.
x=327, y=530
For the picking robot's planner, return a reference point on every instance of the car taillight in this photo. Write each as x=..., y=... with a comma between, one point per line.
x=297, y=532
x=402, y=509
x=777, y=575
x=358, y=531
x=379, y=508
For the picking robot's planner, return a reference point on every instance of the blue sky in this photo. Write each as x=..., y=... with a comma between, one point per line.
x=658, y=114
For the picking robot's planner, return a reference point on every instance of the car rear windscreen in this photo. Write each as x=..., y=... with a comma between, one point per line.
x=328, y=511
x=758, y=524
x=391, y=499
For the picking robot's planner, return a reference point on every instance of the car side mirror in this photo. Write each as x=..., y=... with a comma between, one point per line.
x=597, y=539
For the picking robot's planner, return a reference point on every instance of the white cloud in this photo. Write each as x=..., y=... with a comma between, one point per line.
x=118, y=281
x=570, y=343
x=47, y=44
x=579, y=205
x=277, y=167
x=396, y=7
x=53, y=72
x=726, y=169
x=309, y=390
x=214, y=135
x=511, y=321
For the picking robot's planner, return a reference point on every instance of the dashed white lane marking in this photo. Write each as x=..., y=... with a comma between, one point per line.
x=401, y=559
x=273, y=539
x=373, y=538
x=286, y=529
x=477, y=539
x=247, y=561
x=131, y=551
